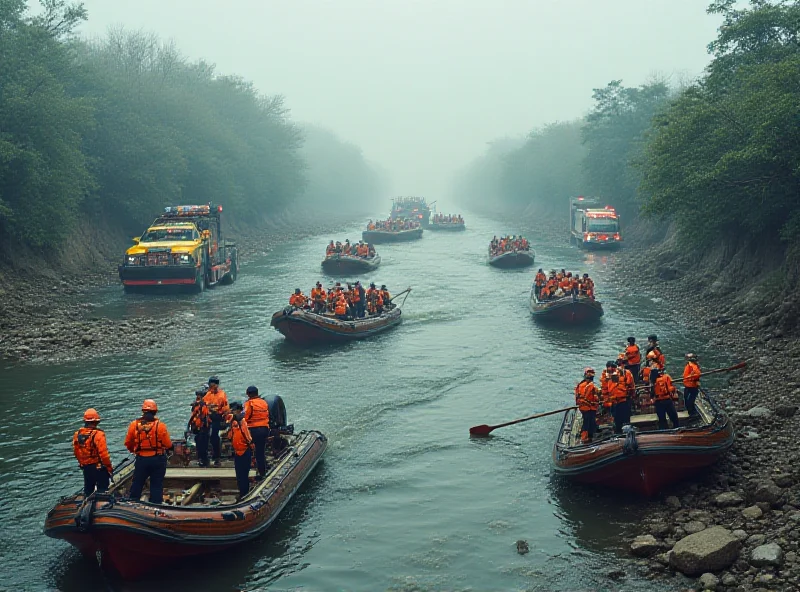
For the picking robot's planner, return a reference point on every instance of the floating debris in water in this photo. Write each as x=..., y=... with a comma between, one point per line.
x=522, y=547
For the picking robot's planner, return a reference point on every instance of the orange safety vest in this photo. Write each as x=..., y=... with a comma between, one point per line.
x=89, y=446
x=298, y=300
x=660, y=359
x=341, y=306
x=217, y=402
x=633, y=355
x=586, y=396
x=240, y=437
x=147, y=438
x=355, y=296
x=540, y=279
x=200, y=419
x=256, y=412
x=691, y=375
x=664, y=389
x=617, y=388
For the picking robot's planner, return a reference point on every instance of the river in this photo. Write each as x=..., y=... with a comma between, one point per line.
x=404, y=500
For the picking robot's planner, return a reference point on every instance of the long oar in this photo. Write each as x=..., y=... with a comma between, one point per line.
x=484, y=430
x=406, y=291
x=738, y=366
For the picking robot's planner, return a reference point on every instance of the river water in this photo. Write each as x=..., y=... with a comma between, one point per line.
x=404, y=500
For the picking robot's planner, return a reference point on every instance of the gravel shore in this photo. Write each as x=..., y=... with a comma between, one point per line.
x=753, y=494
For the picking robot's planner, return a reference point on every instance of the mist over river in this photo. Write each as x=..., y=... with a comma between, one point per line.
x=403, y=499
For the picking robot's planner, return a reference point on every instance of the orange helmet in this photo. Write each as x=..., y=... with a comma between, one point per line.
x=149, y=405
x=91, y=414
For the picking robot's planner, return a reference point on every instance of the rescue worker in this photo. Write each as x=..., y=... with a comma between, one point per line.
x=340, y=308
x=256, y=414
x=652, y=346
x=691, y=383
x=587, y=401
x=200, y=426
x=630, y=382
x=665, y=393
x=633, y=357
x=217, y=402
x=148, y=439
x=91, y=450
x=539, y=281
x=617, y=389
x=318, y=298
x=242, y=443
x=298, y=299
x=605, y=397
x=357, y=296
x=386, y=299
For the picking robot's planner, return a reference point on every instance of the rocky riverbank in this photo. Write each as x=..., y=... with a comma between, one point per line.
x=737, y=526
x=50, y=316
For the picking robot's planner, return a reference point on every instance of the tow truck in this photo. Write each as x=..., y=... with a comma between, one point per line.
x=592, y=226
x=183, y=247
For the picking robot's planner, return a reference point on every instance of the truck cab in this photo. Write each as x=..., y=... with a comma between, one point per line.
x=593, y=226
x=183, y=247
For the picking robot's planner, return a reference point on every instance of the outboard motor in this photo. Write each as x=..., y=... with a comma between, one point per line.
x=277, y=412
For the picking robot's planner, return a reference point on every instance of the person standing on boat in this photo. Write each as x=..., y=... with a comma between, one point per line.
x=242, y=443
x=665, y=393
x=340, y=309
x=318, y=298
x=539, y=281
x=217, y=402
x=587, y=401
x=633, y=357
x=357, y=296
x=256, y=415
x=605, y=396
x=386, y=299
x=91, y=450
x=298, y=299
x=652, y=346
x=617, y=388
x=200, y=426
x=691, y=383
x=630, y=382
x=148, y=439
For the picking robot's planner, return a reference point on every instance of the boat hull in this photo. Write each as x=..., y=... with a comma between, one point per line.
x=134, y=538
x=347, y=264
x=567, y=310
x=305, y=328
x=513, y=259
x=383, y=236
x=446, y=227
x=648, y=462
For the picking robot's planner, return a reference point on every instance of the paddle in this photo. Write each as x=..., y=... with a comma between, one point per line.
x=484, y=430
x=738, y=366
x=400, y=294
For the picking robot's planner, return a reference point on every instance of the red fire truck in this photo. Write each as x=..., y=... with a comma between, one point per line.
x=593, y=226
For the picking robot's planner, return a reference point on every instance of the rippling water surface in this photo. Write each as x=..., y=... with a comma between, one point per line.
x=403, y=500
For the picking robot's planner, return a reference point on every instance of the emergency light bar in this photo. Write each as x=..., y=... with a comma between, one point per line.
x=190, y=210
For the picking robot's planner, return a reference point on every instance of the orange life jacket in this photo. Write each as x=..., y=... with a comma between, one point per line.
x=660, y=359
x=89, y=446
x=217, y=402
x=200, y=419
x=617, y=388
x=633, y=355
x=356, y=297
x=256, y=412
x=147, y=438
x=341, y=306
x=298, y=300
x=664, y=389
x=586, y=396
x=383, y=297
x=691, y=375
x=240, y=437
x=540, y=279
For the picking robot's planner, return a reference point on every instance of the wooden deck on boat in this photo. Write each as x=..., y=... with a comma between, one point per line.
x=203, y=473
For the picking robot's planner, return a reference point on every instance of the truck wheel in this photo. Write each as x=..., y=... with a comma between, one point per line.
x=200, y=278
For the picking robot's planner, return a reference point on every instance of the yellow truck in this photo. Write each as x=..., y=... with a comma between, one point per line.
x=182, y=248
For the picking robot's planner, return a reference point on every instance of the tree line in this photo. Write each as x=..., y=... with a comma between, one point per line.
x=719, y=158
x=112, y=130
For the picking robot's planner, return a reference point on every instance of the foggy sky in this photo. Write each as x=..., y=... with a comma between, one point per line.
x=422, y=85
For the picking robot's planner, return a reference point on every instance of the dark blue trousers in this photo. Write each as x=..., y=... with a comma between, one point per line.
x=260, y=436
x=241, y=465
x=94, y=477
x=201, y=440
x=665, y=408
x=689, y=397
x=622, y=415
x=216, y=422
x=154, y=467
x=589, y=422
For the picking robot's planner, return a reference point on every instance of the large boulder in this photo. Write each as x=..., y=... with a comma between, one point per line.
x=712, y=549
x=769, y=554
x=767, y=492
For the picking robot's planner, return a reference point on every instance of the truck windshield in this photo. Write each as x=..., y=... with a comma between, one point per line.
x=609, y=226
x=168, y=234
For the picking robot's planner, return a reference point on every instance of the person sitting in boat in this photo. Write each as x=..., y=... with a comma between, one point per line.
x=691, y=383
x=374, y=300
x=318, y=298
x=370, y=250
x=371, y=225
x=333, y=295
x=587, y=401
x=298, y=299
x=148, y=438
x=652, y=346
x=386, y=299
x=665, y=393
x=340, y=308
x=346, y=249
x=330, y=249
x=242, y=444
x=91, y=451
x=633, y=357
x=200, y=426
x=362, y=250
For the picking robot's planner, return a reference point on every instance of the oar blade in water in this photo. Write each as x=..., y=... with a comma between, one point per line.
x=481, y=430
